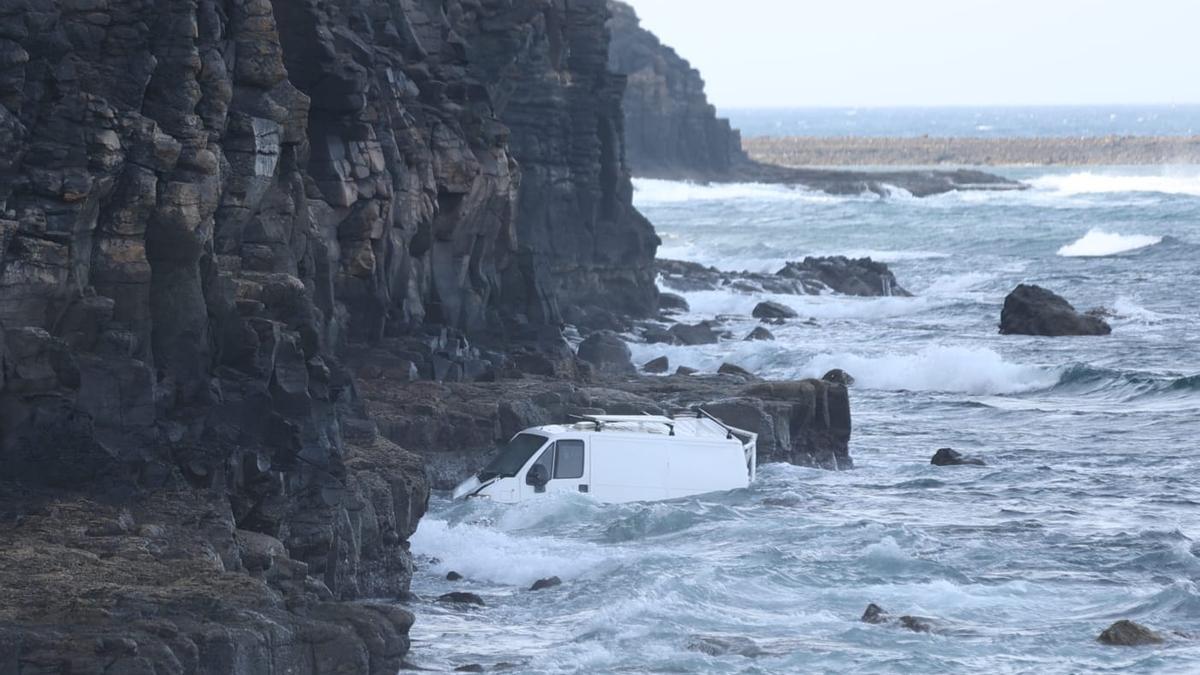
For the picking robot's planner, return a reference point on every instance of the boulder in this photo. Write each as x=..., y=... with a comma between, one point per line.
x=607, y=352
x=702, y=333
x=731, y=369
x=453, y=576
x=685, y=371
x=773, y=310
x=838, y=376
x=951, y=457
x=461, y=598
x=759, y=333
x=548, y=582
x=656, y=366
x=1033, y=310
x=876, y=615
x=863, y=277
x=672, y=303
x=1125, y=633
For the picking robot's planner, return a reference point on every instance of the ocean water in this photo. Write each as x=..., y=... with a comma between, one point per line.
x=970, y=121
x=1088, y=510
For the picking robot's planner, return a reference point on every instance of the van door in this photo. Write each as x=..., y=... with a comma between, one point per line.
x=566, y=462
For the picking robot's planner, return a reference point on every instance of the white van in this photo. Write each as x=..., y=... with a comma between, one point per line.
x=620, y=458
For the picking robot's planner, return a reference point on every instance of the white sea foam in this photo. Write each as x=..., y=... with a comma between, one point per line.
x=975, y=371
x=706, y=304
x=509, y=560
x=651, y=191
x=1088, y=182
x=1099, y=243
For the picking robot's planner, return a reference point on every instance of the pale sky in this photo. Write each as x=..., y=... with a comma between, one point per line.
x=766, y=53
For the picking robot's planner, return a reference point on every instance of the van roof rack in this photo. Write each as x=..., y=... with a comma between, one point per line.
x=601, y=420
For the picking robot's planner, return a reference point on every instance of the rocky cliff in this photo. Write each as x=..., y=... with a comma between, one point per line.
x=202, y=204
x=672, y=131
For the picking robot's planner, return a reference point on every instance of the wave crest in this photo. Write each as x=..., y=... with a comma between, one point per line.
x=1099, y=243
x=1087, y=182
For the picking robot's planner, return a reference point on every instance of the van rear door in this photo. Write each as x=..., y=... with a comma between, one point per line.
x=568, y=463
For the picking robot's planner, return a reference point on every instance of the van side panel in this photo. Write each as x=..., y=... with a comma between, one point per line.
x=707, y=466
x=630, y=470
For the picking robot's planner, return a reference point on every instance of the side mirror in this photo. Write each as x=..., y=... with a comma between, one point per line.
x=537, y=476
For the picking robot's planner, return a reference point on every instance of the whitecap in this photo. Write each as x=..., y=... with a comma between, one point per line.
x=1099, y=243
x=967, y=370
x=653, y=191
x=1087, y=182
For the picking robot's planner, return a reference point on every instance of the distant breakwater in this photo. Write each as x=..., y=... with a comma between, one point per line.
x=926, y=150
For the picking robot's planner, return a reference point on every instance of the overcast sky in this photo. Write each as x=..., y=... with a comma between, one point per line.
x=763, y=53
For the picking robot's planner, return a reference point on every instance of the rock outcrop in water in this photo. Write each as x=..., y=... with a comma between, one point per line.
x=673, y=131
x=1125, y=633
x=1033, y=310
x=202, y=204
x=811, y=276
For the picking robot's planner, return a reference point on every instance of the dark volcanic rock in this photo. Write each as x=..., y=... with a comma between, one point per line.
x=607, y=352
x=656, y=366
x=671, y=130
x=204, y=207
x=951, y=457
x=875, y=614
x=811, y=276
x=702, y=333
x=672, y=303
x=453, y=576
x=840, y=274
x=543, y=584
x=461, y=598
x=1126, y=633
x=674, y=132
x=773, y=310
x=733, y=369
x=1033, y=310
x=759, y=333
x=685, y=371
x=839, y=376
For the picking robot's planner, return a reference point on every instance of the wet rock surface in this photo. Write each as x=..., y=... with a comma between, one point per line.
x=811, y=276
x=1033, y=310
x=543, y=584
x=1125, y=633
x=952, y=457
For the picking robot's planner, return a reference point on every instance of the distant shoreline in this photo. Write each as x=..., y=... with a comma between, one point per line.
x=801, y=151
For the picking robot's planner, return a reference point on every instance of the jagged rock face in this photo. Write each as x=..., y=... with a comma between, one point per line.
x=203, y=201
x=672, y=131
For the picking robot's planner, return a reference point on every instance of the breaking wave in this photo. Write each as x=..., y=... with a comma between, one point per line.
x=965, y=370
x=1099, y=243
x=1097, y=183
x=648, y=191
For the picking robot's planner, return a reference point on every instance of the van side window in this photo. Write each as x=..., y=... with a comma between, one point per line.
x=569, y=463
x=546, y=459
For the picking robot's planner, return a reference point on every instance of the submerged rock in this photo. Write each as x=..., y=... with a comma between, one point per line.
x=876, y=615
x=722, y=645
x=773, y=310
x=1033, y=310
x=838, y=376
x=1125, y=633
x=951, y=457
x=607, y=352
x=453, y=576
x=659, y=365
x=548, y=582
x=461, y=598
x=759, y=333
x=470, y=668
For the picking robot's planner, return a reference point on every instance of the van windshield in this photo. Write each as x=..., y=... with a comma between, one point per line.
x=513, y=456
